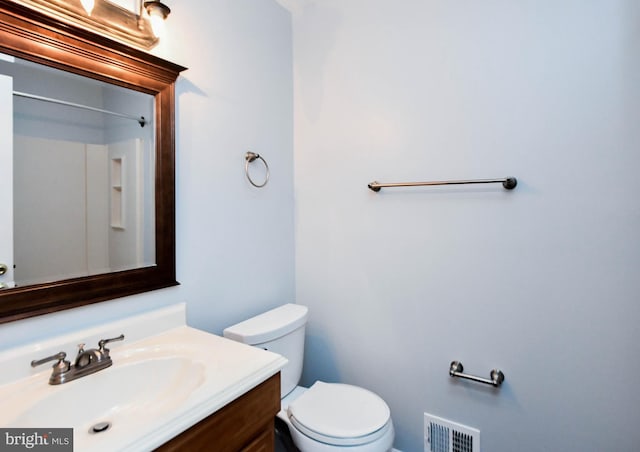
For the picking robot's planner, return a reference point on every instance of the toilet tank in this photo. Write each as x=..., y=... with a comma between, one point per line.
x=281, y=331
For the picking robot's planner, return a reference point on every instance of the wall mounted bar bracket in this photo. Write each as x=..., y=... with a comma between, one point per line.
x=496, y=377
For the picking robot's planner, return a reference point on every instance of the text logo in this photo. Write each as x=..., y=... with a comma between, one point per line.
x=36, y=439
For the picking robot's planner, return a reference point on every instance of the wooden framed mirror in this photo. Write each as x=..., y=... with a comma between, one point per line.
x=37, y=38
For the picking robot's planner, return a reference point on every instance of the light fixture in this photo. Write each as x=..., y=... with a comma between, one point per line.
x=88, y=5
x=158, y=12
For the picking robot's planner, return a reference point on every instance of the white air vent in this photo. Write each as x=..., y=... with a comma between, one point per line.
x=441, y=435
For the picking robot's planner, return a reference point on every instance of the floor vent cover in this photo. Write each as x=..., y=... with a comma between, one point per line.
x=441, y=435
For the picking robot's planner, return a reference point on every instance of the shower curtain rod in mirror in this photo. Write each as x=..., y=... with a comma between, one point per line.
x=139, y=119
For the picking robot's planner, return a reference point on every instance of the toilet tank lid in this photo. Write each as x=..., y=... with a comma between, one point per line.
x=268, y=326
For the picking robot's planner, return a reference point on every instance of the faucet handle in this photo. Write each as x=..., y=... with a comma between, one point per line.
x=104, y=342
x=61, y=366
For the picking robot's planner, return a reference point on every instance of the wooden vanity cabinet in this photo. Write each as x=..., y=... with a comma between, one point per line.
x=246, y=424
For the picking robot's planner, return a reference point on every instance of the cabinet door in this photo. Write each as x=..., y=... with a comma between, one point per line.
x=245, y=425
x=6, y=176
x=263, y=443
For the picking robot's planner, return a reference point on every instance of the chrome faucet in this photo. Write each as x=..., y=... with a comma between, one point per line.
x=87, y=362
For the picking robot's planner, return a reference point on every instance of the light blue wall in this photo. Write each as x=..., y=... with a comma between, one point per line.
x=234, y=243
x=542, y=281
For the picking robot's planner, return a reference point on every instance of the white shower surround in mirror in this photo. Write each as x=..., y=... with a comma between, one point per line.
x=74, y=215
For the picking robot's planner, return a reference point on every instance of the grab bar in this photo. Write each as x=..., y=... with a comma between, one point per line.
x=508, y=182
x=496, y=376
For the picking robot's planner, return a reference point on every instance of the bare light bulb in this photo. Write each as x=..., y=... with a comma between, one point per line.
x=88, y=5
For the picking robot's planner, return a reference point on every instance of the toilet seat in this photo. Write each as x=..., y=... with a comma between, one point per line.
x=340, y=414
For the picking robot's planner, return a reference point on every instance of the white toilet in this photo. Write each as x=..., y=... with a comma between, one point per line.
x=327, y=416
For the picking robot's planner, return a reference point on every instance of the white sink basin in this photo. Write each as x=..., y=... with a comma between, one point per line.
x=156, y=388
x=119, y=393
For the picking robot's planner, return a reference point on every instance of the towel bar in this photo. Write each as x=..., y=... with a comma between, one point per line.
x=508, y=182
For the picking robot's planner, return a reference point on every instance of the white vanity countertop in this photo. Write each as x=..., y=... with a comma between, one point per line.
x=165, y=378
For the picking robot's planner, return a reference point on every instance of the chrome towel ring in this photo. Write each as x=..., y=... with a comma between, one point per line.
x=250, y=157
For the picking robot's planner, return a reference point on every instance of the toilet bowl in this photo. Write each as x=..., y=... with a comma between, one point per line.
x=333, y=416
x=326, y=416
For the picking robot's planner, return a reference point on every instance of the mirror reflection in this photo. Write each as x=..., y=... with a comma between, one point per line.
x=82, y=160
